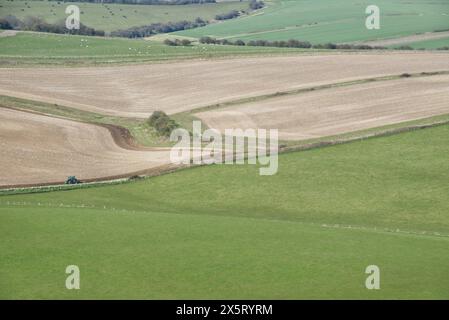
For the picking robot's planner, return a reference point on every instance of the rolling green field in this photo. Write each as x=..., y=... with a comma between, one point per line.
x=45, y=48
x=226, y=232
x=320, y=21
x=110, y=17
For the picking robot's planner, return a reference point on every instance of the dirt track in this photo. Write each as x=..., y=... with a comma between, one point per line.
x=39, y=149
x=339, y=110
x=136, y=91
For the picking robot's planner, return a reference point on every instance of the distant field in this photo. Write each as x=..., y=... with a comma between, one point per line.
x=44, y=48
x=226, y=232
x=110, y=17
x=321, y=21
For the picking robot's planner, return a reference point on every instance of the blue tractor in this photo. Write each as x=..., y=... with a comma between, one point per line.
x=72, y=180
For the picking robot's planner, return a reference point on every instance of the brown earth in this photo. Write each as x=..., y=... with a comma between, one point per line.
x=338, y=110
x=138, y=90
x=42, y=149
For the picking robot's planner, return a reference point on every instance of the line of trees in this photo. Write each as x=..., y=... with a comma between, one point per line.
x=40, y=25
x=155, y=28
x=292, y=43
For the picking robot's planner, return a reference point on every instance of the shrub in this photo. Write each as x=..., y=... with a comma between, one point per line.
x=160, y=121
x=254, y=4
x=225, y=16
x=10, y=22
x=177, y=42
x=239, y=43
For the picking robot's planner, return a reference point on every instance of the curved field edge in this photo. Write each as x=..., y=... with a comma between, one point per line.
x=307, y=232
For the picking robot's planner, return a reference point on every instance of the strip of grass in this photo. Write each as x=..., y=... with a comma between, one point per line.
x=225, y=232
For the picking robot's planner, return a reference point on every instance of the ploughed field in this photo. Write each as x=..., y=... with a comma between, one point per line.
x=41, y=149
x=338, y=110
x=137, y=91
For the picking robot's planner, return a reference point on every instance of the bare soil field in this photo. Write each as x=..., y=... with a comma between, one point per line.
x=41, y=149
x=138, y=90
x=338, y=110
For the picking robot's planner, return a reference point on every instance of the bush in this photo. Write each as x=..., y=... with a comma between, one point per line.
x=160, y=121
x=239, y=43
x=225, y=16
x=10, y=22
x=177, y=42
x=254, y=4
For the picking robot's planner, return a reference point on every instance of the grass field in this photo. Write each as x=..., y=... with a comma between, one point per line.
x=226, y=232
x=44, y=48
x=320, y=21
x=110, y=17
